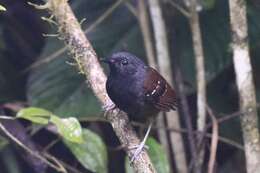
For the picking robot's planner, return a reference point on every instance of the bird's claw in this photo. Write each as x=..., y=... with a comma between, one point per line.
x=142, y=144
x=138, y=150
x=108, y=107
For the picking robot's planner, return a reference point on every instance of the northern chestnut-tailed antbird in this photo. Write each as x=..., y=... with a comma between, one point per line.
x=138, y=89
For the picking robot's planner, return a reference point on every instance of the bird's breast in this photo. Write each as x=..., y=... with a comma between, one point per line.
x=126, y=93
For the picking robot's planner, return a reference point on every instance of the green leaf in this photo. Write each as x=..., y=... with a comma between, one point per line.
x=91, y=153
x=3, y=142
x=2, y=8
x=157, y=155
x=69, y=128
x=208, y=4
x=36, y=115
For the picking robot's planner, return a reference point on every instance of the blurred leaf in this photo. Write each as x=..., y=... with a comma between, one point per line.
x=36, y=115
x=3, y=142
x=128, y=168
x=92, y=153
x=208, y=4
x=157, y=155
x=10, y=161
x=69, y=128
x=2, y=8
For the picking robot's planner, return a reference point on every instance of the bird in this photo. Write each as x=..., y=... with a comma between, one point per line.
x=138, y=90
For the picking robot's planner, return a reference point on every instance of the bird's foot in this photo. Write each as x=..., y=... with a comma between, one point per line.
x=138, y=149
x=108, y=107
x=141, y=147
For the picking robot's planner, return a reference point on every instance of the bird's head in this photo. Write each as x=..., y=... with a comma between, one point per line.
x=124, y=63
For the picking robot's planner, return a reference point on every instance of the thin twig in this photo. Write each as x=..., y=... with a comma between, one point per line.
x=69, y=167
x=200, y=76
x=164, y=66
x=214, y=141
x=208, y=135
x=51, y=144
x=180, y=8
x=132, y=9
x=13, y=138
x=7, y=117
x=225, y=118
x=55, y=160
x=144, y=24
x=182, y=130
x=185, y=108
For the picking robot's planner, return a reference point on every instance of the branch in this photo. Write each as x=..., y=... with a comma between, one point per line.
x=86, y=58
x=60, y=51
x=58, y=168
x=214, y=142
x=200, y=75
x=164, y=64
x=144, y=24
x=143, y=20
x=179, y=7
x=244, y=80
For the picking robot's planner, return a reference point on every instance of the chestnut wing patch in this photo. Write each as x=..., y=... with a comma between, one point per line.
x=158, y=92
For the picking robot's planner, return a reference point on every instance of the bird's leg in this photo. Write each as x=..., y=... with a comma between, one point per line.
x=141, y=146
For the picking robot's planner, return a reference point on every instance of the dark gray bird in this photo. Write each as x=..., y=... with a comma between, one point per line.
x=138, y=89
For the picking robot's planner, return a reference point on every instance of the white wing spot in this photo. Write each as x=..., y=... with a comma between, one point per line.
x=153, y=91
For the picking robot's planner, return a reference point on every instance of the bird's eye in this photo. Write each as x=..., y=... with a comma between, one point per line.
x=124, y=62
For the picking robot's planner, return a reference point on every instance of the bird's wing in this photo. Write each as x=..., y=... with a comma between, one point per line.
x=158, y=92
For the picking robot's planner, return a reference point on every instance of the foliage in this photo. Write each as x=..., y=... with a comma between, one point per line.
x=91, y=153
x=69, y=128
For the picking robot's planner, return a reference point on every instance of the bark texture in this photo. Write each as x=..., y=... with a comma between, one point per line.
x=244, y=80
